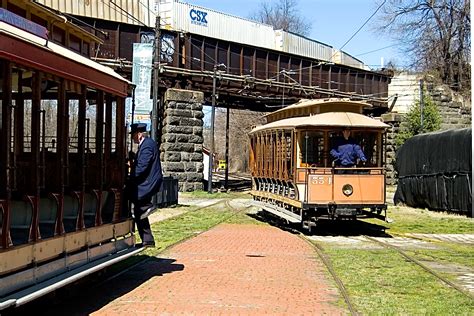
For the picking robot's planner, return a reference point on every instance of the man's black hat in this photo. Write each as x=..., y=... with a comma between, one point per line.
x=138, y=127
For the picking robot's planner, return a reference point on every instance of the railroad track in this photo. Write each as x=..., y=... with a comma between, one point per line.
x=235, y=182
x=420, y=264
x=327, y=262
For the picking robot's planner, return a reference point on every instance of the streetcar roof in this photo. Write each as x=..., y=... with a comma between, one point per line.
x=60, y=50
x=328, y=119
x=307, y=107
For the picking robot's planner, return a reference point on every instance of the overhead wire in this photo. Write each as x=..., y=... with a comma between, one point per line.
x=213, y=61
x=376, y=50
x=353, y=35
x=366, y=21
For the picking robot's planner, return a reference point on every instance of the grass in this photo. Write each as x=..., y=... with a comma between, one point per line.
x=189, y=224
x=379, y=281
x=410, y=220
x=447, y=253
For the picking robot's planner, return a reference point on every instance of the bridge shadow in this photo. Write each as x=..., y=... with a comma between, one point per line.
x=92, y=293
x=345, y=228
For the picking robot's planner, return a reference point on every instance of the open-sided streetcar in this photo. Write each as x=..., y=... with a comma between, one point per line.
x=296, y=178
x=62, y=164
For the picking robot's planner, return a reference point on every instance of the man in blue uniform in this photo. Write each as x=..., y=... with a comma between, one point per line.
x=346, y=151
x=144, y=181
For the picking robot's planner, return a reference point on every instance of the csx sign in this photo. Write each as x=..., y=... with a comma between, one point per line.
x=198, y=17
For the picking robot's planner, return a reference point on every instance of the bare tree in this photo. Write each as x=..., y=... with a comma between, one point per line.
x=435, y=34
x=240, y=124
x=282, y=14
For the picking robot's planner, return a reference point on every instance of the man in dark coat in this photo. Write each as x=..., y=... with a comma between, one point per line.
x=346, y=151
x=144, y=181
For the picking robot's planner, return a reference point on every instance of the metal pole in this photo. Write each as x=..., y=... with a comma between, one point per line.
x=421, y=104
x=156, y=70
x=213, y=114
x=226, y=179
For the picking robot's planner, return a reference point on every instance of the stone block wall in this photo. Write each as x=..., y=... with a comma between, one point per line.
x=455, y=113
x=182, y=138
x=394, y=120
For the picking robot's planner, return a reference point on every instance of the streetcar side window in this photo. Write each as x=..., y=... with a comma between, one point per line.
x=311, y=149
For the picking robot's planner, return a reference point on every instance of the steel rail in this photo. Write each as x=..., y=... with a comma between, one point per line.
x=417, y=262
x=327, y=262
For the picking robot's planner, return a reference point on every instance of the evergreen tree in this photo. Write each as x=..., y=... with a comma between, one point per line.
x=412, y=121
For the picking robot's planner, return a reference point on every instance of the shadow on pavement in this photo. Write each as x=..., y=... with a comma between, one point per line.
x=96, y=291
x=344, y=228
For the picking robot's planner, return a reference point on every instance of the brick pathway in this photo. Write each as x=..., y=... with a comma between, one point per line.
x=229, y=270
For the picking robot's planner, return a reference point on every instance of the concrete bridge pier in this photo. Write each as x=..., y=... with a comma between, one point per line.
x=182, y=138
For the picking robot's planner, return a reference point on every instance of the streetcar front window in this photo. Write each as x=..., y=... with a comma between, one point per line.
x=311, y=145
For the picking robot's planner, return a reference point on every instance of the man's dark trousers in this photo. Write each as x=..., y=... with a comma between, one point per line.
x=143, y=225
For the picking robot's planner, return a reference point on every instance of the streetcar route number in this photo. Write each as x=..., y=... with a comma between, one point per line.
x=320, y=180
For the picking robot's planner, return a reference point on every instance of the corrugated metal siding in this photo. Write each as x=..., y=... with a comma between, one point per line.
x=340, y=57
x=179, y=16
x=349, y=60
x=124, y=11
x=299, y=45
x=189, y=18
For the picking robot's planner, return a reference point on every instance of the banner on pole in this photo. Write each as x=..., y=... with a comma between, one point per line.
x=141, y=77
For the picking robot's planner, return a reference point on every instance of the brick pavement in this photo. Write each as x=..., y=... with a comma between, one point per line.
x=229, y=270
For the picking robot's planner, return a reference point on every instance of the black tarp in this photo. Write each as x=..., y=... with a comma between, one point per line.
x=435, y=171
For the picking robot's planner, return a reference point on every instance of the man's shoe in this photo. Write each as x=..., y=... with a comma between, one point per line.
x=149, y=244
x=148, y=212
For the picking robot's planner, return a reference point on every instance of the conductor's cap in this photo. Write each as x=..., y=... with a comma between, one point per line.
x=138, y=127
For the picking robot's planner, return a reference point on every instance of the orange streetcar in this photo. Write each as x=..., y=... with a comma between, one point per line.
x=319, y=159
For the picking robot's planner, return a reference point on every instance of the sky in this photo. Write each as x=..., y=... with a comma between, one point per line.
x=334, y=22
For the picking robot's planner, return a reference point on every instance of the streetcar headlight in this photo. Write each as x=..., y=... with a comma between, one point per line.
x=347, y=189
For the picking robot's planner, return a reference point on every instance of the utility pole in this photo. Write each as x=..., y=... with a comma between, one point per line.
x=421, y=104
x=226, y=179
x=213, y=114
x=156, y=71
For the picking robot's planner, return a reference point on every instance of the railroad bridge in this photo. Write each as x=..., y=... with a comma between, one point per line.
x=263, y=66
x=250, y=65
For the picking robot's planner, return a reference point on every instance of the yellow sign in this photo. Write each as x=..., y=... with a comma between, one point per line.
x=222, y=164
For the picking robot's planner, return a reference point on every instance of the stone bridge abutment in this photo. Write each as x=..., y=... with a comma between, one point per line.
x=182, y=138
